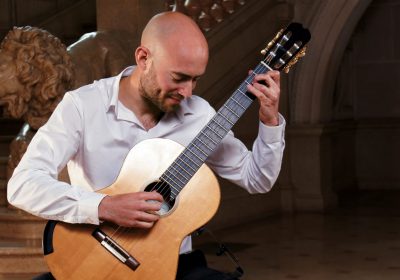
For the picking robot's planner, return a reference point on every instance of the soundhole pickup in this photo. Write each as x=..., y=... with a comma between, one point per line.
x=116, y=250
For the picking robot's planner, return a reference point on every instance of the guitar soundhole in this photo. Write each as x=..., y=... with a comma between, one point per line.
x=165, y=190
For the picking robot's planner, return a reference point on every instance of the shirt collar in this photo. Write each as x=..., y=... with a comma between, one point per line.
x=120, y=110
x=115, y=88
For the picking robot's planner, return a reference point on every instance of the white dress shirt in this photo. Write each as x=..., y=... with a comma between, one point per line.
x=91, y=131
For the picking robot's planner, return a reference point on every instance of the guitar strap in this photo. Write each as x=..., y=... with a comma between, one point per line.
x=223, y=249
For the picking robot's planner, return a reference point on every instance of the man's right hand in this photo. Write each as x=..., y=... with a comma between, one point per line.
x=131, y=209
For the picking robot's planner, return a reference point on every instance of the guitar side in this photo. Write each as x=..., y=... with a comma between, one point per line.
x=76, y=254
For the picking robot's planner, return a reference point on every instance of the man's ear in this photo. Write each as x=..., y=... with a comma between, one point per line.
x=142, y=57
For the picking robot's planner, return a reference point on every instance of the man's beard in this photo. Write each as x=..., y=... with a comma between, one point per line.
x=153, y=95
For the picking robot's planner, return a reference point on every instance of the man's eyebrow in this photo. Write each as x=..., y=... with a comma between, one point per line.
x=185, y=76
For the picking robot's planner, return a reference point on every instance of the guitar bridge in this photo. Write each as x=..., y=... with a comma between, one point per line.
x=115, y=249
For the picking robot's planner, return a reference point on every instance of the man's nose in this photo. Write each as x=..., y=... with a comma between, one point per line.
x=187, y=89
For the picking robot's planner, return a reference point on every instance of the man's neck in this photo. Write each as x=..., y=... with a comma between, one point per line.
x=129, y=95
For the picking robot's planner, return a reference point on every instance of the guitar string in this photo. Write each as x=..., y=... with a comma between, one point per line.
x=163, y=187
x=166, y=186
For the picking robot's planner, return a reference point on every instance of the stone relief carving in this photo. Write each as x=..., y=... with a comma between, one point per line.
x=100, y=54
x=35, y=72
x=207, y=13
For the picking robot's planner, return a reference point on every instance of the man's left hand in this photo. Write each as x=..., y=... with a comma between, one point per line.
x=266, y=87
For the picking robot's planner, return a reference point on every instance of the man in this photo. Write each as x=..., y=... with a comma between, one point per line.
x=94, y=127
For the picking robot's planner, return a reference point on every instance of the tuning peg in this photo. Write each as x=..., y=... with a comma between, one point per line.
x=294, y=60
x=273, y=41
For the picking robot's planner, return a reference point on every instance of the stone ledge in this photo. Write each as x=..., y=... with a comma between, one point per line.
x=22, y=260
x=17, y=224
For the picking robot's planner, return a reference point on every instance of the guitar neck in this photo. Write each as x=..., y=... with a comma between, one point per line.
x=196, y=153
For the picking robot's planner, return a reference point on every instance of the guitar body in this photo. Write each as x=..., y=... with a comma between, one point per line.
x=76, y=254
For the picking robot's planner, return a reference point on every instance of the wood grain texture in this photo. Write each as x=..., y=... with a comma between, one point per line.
x=78, y=255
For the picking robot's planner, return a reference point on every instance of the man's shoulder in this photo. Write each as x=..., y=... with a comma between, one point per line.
x=100, y=91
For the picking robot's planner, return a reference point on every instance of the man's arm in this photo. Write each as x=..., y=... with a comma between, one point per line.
x=255, y=170
x=34, y=186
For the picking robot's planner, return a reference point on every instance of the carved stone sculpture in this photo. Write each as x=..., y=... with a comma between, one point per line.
x=207, y=13
x=100, y=54
x=35, y=72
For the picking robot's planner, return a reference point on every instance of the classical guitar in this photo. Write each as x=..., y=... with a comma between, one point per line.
x=190, y=190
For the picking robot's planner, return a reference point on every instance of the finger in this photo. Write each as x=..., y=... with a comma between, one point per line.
x=147, y=217
x=151, y=205
x=150, y=196
x=276, y=77
x=268, y=80
x=141, y=224
x=269, y=93
x=256, y=92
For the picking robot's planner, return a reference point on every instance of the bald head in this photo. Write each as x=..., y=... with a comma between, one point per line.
x=173, y=31
x=172, y=56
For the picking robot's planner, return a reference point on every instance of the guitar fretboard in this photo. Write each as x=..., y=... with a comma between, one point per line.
x=196, y=153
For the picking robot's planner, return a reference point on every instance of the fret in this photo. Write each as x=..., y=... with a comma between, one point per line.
x=183, y=169
x=230, y=110
x=244, y=94
x=219, y=136
x=227, y=119
x=179, y=173
x=210, y=135
x=199, y=149
x=240, y=105
x=221, y=123
x=224, y=129
x=205, y=144
x=188, y=150
x=239, y=111
x=206, y=148
x=209, y=138
x=172, y=177
x=188, y=165
x=237, y=102
x=241, y=91
x=191, y=150
x=243, y=99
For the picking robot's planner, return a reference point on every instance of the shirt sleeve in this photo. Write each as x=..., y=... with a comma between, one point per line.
x=256, y=170
x=34, y=187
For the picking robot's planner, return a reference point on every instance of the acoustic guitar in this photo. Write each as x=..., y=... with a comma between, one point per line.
x=189, y=188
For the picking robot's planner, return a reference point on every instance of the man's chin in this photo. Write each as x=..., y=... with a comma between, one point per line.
x=172, y=108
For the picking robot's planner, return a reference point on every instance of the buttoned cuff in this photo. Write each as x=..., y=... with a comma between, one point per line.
x=89, y=208
x=272, y=134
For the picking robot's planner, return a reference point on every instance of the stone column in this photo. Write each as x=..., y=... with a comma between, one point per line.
x=310, y=148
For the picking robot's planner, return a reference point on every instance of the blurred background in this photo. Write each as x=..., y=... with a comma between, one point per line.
x=338, y=191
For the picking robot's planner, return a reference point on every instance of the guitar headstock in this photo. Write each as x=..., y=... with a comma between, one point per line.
x=287, y=47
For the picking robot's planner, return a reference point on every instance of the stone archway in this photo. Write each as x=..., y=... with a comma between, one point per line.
x=332, y=25
x=307, y=182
